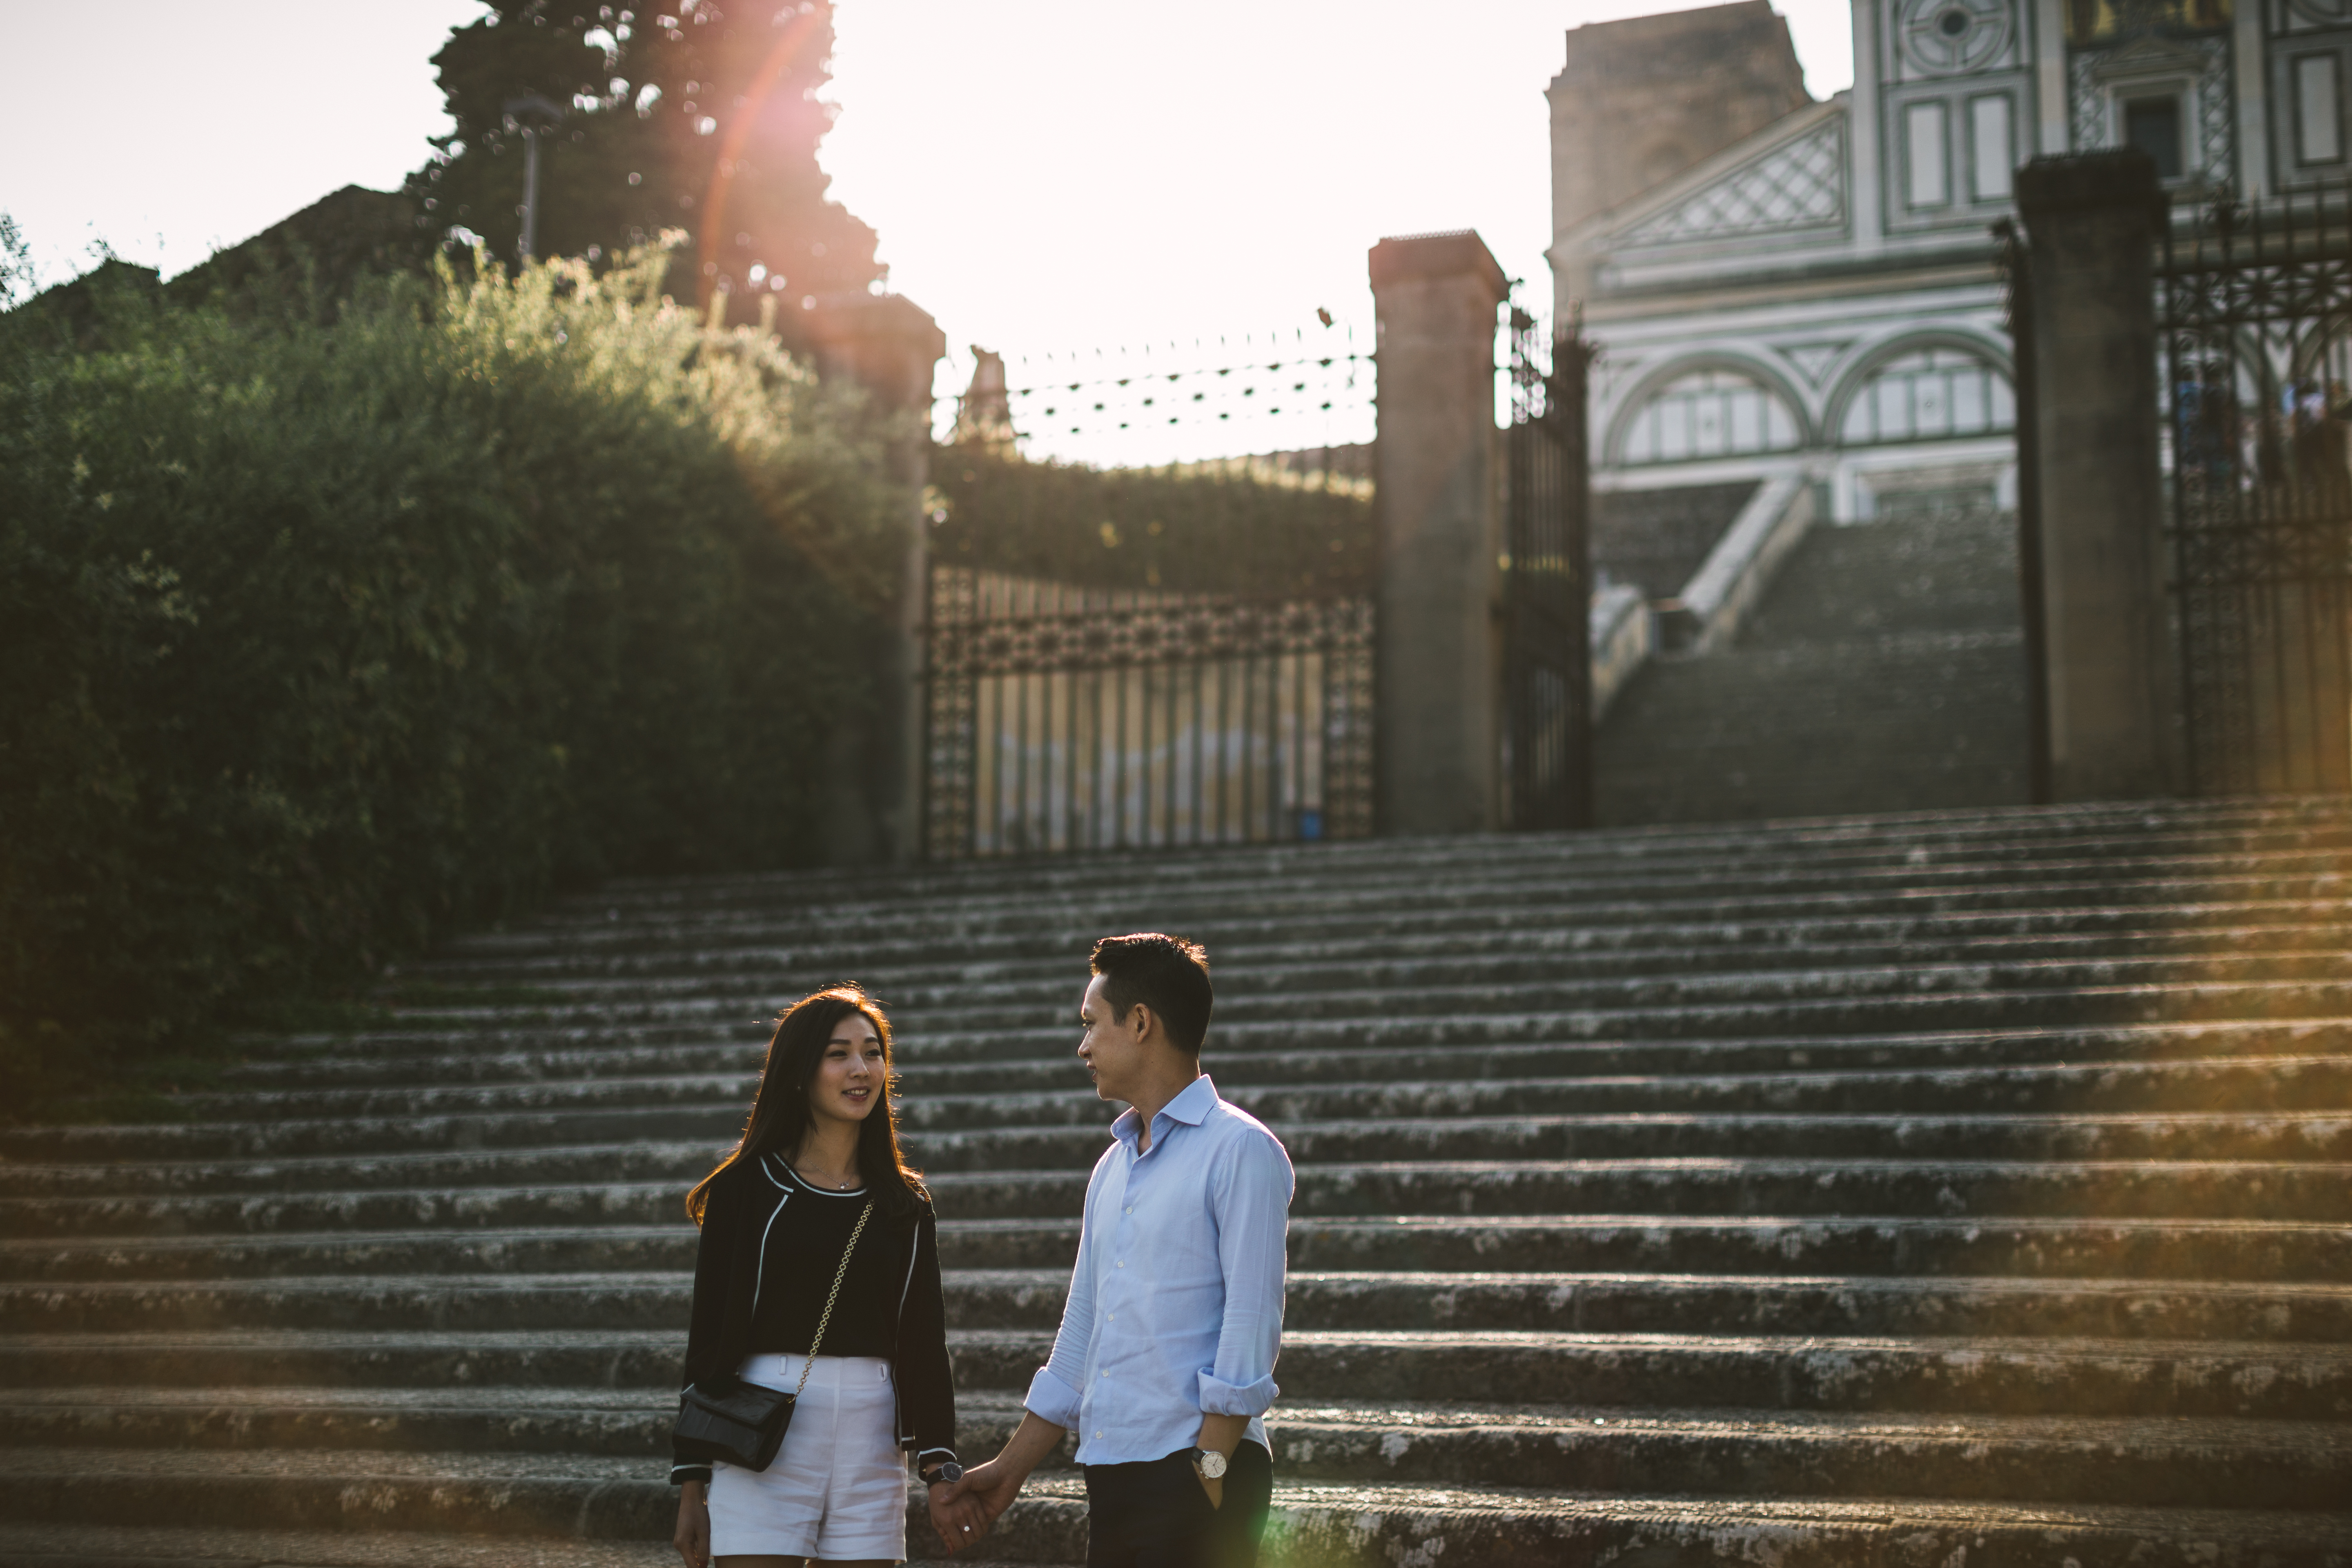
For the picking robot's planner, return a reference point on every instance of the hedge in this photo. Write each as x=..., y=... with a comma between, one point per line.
x=324, y=638
x=1249, y=526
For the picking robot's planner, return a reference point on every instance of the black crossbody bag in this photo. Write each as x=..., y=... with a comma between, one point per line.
x=743, y=1423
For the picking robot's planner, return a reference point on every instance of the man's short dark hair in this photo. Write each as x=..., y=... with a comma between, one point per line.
x=1167, y=974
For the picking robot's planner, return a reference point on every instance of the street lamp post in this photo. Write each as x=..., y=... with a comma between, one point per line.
x=532, y=114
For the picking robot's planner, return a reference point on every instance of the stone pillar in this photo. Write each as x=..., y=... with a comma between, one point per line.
x=2090, y=220
x=1438, y=462
x=889, y=345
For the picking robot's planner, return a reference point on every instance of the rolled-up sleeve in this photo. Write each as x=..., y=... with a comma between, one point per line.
x=1250, y=1194
x=1054, y=1393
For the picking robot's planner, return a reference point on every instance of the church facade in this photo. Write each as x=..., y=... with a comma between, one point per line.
x=1783, y=286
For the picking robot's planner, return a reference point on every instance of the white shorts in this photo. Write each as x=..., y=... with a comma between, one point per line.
x=838, y=1488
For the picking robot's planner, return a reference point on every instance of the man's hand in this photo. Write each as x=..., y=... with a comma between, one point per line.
x=1220, y=1435
x=990, y=1488
x=959, y=1518
x=692, y=1537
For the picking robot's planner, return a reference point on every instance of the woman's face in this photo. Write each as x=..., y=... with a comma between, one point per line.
x=850, y=1078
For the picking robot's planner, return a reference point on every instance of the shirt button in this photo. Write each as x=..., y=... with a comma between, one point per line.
x=1113, y=1317
x=1122, y=1263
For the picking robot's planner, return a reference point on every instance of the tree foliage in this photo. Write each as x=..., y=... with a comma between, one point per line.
x=325, y=639
x=699, y=115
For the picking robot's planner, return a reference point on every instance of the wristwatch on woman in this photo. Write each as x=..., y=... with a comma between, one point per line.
x=943, y=1474
x=1208, y=1464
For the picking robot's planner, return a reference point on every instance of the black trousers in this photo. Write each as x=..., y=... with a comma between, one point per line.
x=1155, y=1514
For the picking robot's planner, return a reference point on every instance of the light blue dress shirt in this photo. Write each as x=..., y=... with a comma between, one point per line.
x=1175, y=1308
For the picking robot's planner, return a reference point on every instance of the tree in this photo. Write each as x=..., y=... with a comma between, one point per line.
x=699, y=115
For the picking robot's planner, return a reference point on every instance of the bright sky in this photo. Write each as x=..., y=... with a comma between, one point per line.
x=1046, y=175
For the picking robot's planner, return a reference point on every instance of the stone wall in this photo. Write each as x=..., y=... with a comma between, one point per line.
x=1642, y=99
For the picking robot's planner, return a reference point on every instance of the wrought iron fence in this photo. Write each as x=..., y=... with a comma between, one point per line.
x=1148, y=656
x=2254, y=325
x=1548, y=678
x=1071, y=719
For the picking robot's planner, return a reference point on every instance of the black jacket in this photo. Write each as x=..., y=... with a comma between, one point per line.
x=736, y=1223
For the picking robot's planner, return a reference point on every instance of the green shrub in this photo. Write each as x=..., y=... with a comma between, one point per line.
x=1248, y=526
x=321, y=640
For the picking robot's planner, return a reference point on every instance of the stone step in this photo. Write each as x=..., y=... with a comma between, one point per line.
x=2176, y=829
x=1244, y=916
x=1914, y=1005
x=1315, y=1301
x=1873, y=1246
x=709, y=1107
x=2173, y=1189
x=2257, y=1381
x=1778, y=853
x=1348, y=1525
x=1490, y=959
x=1745, y=932
x=2205, y=1462
x=448, y=980
x=2283, y=984
x=373, y=1066
x=1071, y=1132
x=94, y=1544
x=1283, y=1081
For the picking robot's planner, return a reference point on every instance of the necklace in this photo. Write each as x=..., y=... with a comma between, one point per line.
x=837, y=1186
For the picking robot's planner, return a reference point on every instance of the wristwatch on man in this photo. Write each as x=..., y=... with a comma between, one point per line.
x=1208, y=1464
x=943, y=1474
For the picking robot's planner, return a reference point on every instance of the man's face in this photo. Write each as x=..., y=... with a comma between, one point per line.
x=1112, y=1048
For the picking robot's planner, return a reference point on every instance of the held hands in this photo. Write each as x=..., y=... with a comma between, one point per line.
x=987, y=1490
x=959, y=1519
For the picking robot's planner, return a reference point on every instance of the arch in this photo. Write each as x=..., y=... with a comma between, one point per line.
x=1924, y=386
x=1707, y=405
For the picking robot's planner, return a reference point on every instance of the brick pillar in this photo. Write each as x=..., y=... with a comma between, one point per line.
x=889, y=345
x=2090, y=221
x=1439, y=467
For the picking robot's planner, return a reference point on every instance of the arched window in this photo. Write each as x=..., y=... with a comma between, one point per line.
x=1714, y=413
x=1929, y=395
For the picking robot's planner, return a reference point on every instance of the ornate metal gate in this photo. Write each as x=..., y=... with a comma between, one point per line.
x=2254, y=323
x=1548, y=679
x=1067, y=718
x=1142, y=657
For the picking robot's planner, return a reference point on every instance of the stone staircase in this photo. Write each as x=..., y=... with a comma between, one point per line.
x=1951, y=1189
x=1885, y=672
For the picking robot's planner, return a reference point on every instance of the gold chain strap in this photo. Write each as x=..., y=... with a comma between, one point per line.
x=832, y=1296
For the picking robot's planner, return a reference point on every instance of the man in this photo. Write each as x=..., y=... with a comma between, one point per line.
x=1164, y=1361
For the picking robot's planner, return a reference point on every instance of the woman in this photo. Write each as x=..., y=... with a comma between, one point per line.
x=819, y=1156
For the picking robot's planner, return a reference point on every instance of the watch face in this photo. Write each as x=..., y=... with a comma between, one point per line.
x=1213, y=1465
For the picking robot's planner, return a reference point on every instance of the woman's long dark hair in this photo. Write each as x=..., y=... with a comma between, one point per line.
x=779, y=1111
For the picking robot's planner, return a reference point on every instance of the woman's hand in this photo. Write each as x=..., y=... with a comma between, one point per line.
x=1216, y=1490
x=692, y=1537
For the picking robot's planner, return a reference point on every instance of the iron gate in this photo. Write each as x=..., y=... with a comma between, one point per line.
x=1150, y=656
x=1065, y=719
x=1548, y=678
x=2254, y=332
